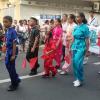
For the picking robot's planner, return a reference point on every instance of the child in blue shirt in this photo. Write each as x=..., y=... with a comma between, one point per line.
x=11, y=52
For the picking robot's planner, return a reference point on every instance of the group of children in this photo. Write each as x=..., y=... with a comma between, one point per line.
x=75, y=36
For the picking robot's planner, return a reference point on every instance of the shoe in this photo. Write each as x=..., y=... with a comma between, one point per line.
x=99, y=72
x=54, y=73
x=57, y=67
x=19, y=81
x=74, y=81
x=63, y=73
x=77, y=83
x=85, y=61
x=38, y=66
x=33, y=73
x=45, y=75
x=12, y=88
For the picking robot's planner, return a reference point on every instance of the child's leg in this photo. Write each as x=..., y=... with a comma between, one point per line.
x=12, y=72
x=46, y=66
x=58, y=60
x=52, y=68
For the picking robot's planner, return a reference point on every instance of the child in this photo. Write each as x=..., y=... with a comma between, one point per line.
x=33, y=48
x=70, y=28
x=80, y=48
x=57, y=38
x=49, y=53
x=11, y=52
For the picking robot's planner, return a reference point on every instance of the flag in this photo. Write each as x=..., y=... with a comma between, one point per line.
x=24, y=63
x=33, y=62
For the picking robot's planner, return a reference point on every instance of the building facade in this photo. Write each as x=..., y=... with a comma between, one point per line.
x=42, y=9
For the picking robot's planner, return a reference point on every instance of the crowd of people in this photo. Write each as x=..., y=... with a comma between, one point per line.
x=65, y=40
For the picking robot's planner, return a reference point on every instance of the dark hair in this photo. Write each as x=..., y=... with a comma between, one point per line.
x=8, y=18
x=25, y=21
x=72, y=16
x=83, y=16
x=50, y=36
x=46, y=21
x=51, y=21
x=65, y=15
x=34, y=19
x=59, y=20
x=20, y=21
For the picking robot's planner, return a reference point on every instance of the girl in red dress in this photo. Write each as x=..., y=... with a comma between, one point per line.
x=48, y=56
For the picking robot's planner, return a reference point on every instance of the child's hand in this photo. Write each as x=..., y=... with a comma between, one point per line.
x=47, y=53
x=12, y=58
x=32, y=49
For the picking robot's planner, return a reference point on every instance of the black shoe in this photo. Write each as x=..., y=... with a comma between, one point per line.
x=38, y=66
x=12, y=88
x=33, y=73
x=57, y=67
x=19, y=81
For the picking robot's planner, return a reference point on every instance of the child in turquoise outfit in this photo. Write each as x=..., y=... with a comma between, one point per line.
x=80, y=46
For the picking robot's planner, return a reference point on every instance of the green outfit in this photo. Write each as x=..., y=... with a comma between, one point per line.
x=80, y=33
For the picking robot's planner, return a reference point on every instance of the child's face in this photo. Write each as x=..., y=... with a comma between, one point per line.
x=32, y=22
x=7, y=23
x=64, y=18
x=78, y=19
x=70, y=20
x=56, y=23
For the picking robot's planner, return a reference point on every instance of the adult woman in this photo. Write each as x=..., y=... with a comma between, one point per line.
x=57, y=37
x=80, y=47
x=21, y=29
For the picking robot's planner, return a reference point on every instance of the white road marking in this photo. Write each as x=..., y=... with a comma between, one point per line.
x=21, y=77
x=97, y=63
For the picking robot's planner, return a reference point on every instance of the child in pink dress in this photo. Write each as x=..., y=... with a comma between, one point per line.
x=57, y=38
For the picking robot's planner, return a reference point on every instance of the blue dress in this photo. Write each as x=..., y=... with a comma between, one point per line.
x=80, y=33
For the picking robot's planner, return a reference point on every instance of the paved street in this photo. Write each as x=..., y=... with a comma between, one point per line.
x=58, y=88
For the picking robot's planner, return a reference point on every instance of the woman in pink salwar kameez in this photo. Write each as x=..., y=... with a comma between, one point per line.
x=57, y=38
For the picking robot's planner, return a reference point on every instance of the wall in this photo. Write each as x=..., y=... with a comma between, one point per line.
x=26, y=11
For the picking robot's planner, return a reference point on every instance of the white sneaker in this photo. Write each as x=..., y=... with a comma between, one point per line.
x=85, y=60
x=99, y=72
x=77, y=83
x=63, y=73
x=74, y=81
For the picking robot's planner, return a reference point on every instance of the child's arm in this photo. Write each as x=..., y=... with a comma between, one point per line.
x=14, y=38
x=49, y=52
x=58, y=42
x=14, y=51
